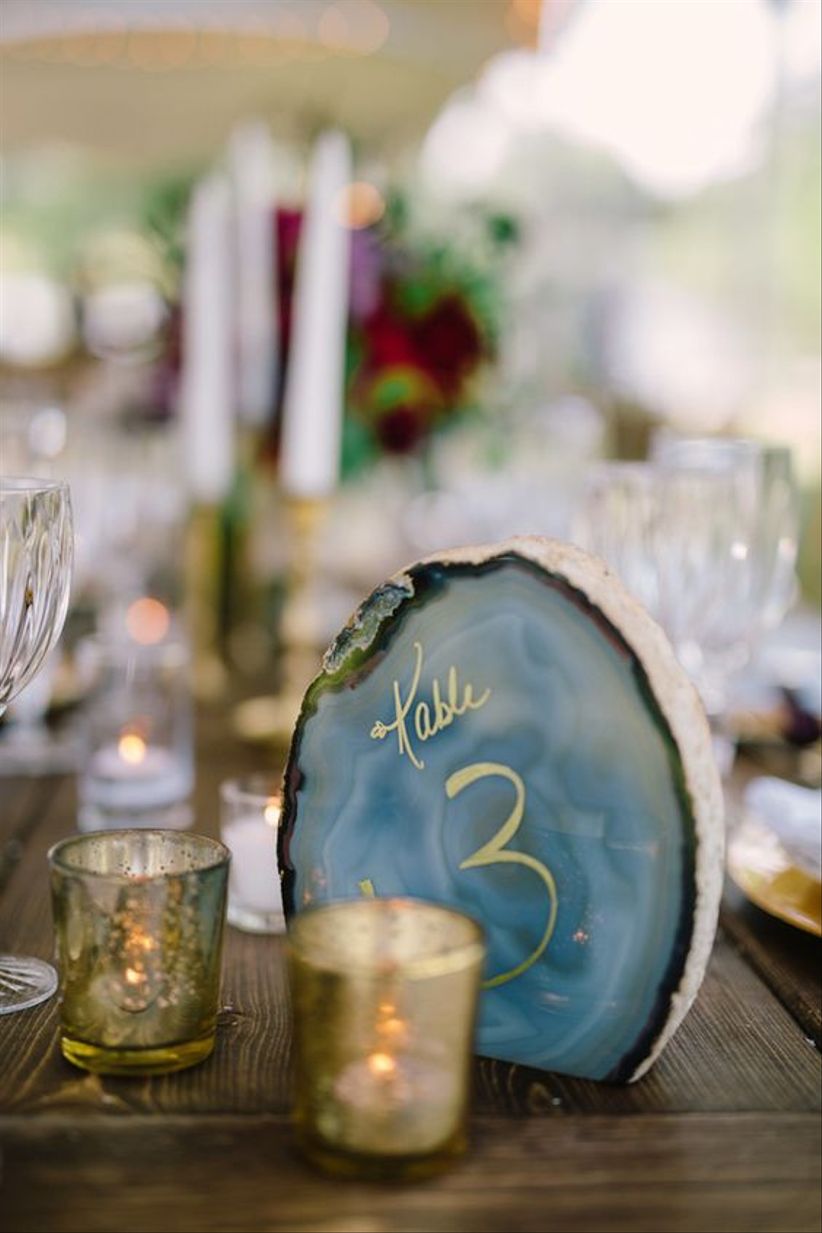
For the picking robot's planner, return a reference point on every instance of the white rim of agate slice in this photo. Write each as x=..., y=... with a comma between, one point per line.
x=673, y=692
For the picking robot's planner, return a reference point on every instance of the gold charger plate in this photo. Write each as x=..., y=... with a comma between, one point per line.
x=765, y=874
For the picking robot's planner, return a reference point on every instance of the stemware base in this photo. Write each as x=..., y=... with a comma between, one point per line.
x=24, y=982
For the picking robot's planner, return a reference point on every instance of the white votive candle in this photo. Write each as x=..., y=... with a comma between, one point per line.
x=249, y=830
x=393, y=1106
x=117, y=778
x=254, y=881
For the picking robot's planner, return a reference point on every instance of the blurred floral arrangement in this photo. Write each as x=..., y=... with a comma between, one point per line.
x=426, y=306
x=424, y=321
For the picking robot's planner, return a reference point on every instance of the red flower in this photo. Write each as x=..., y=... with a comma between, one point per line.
x=400, y=430
x=400, y=404
x=388, y=340
x=448, y=343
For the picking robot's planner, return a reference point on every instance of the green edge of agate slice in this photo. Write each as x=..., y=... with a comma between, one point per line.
x=505, y=730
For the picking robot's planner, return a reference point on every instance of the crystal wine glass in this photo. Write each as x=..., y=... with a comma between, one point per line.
x=617, y=518
x=764, y=477
x=778, y=534
x=709, y=557
x=36, y=545
x=33, y=442
x=682, y=533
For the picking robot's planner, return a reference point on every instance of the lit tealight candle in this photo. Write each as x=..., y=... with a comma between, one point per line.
x=384, y=995
x=394, y=1104
x=138, y=770
x=131, y=773
x=132, y=749
x=382, y=1064
x=138, y=922
x=249, y=830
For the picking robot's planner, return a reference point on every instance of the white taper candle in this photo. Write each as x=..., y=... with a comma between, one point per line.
x=206, y=389
x=313, y=404
x=252, y=168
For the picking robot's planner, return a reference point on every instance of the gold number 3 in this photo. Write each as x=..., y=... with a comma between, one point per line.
x=494, y=852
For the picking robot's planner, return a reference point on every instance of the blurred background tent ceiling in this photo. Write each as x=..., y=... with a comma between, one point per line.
x=151, y=80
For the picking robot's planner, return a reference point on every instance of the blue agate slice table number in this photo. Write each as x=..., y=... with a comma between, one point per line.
x=505, y=730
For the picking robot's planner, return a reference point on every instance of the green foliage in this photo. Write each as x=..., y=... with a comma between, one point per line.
x=162, y=215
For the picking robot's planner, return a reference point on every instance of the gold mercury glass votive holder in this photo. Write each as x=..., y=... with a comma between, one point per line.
x=384, y=994
x=138, y=918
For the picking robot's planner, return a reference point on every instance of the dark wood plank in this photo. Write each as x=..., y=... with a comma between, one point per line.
x=578, y=1173
x=728, y=1135
x=25, y=913
x=787, y=959
x=22, y=802
x=17, y=793
x=739, y=1050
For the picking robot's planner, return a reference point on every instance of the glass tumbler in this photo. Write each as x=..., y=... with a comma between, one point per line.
x=384, y=994
x=138, y=918
x=138, y=767
x=249, y=822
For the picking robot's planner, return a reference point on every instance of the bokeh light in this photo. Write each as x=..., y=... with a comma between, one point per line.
x=148, y=621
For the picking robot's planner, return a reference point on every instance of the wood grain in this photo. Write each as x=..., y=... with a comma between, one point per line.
x=738, y=1051
x=786, y=959
x=608, y=1174
x=20, y=803
x=723, y=1133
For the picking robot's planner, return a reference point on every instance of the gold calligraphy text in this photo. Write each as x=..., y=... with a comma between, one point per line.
x=420, y=720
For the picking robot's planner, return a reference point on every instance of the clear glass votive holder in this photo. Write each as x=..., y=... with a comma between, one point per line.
x=249, y=821
x=384, y=994
x=138, y=764
x=138, y=919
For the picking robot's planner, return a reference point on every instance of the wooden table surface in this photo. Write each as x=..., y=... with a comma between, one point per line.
x=724, y=1133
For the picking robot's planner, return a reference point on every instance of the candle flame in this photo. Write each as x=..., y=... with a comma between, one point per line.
x=133, y=977
x=131, y=748
x=142, y=940
x=390, y=1024
x=271, y=813
x=382, y=1065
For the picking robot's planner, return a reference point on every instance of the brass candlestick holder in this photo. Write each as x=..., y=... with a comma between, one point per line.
x=203, y=604
x=216, y=573
x=272, y=718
